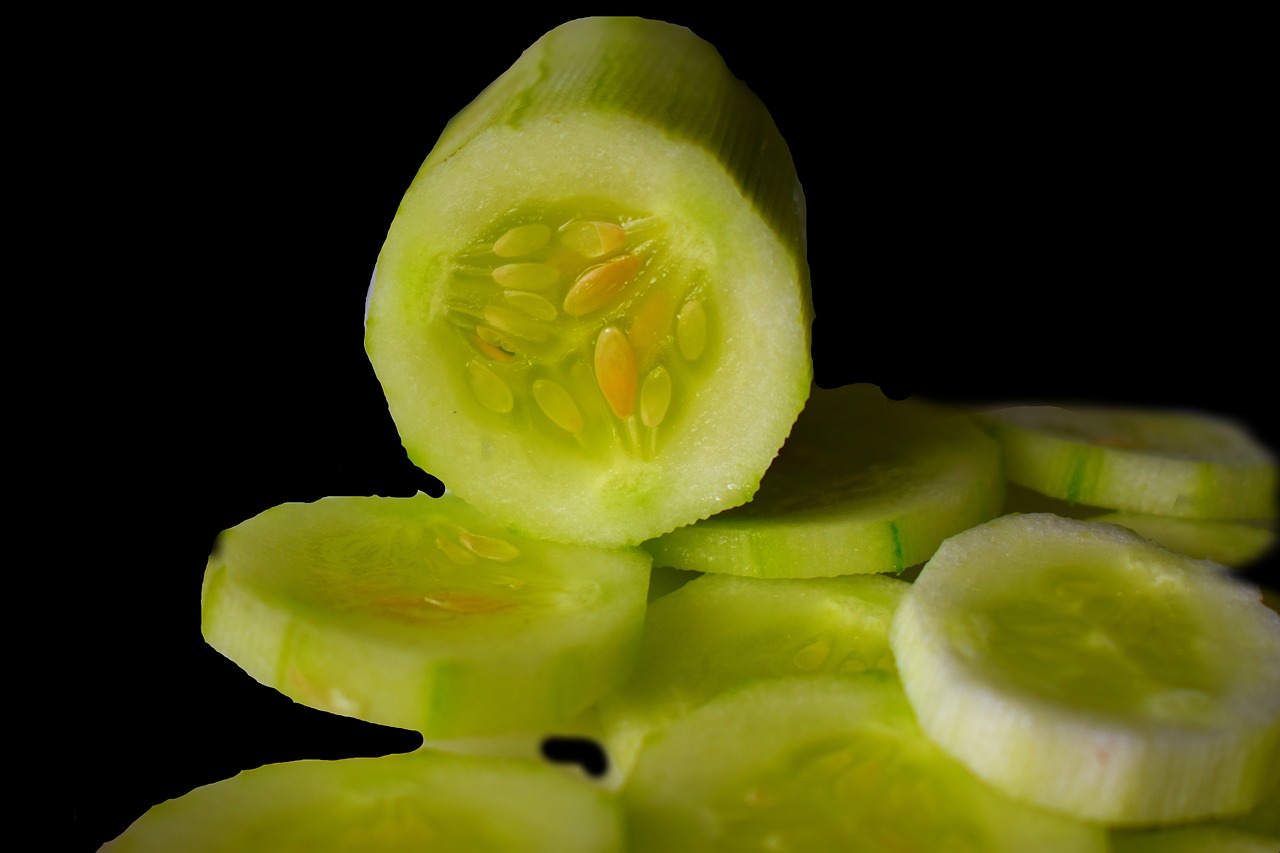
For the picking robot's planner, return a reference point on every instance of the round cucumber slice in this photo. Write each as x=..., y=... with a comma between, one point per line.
x=863, y=484
x=719, y=630
x=423, y=800
x=1084, y=668
x=824, y=763
x=1233, y=543
x=420, y=613
x=595, y=291
x=1183, y=464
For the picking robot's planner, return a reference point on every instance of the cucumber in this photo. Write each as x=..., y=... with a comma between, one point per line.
x=863, y=484
x=423, y=800
x=719, y=630
x=1233, y=543
x=824, y=762
x=595, y=291
x=1183, y=464
x=420, y=613
x=1083, y=668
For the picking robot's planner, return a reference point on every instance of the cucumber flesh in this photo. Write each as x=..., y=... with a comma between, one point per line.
x=1084, y=668
x=421, y=613
x=863, y=484
x=1233, y=543
x=1183, y=464
x=824, y=762
x=418, y=801
x=595, y=291
x=719, y=630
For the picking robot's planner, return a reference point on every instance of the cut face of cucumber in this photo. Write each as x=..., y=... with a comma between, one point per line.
x=591, y=315
x=1084, y=668
x=1182, y=464
x=421, y=613
x=864, y=484
x=824, y=762
x=420, y=801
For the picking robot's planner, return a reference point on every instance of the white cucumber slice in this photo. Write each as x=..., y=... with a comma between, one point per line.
x=824, y=763
x=421, y=613
x=1233, y=543
x=423, y=800
x=1084, y=668
x=1183, y=464
x=591, y=316
x=863, y=484
x=720, y=630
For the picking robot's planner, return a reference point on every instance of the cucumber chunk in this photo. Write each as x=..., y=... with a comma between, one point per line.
x=423, y=800
x=1084, y=668
x=863, y=484
x=824, y=762
x=595, y=290
x=421, y=613
x=1183, y=464
x=719, y=630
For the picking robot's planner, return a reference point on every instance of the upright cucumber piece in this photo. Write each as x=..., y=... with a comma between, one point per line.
x=864, y=484
x=419, y=801
x=591, y=315
x=421, y=613
x=824, y=762
x=1084, y=668
x=1183, y=464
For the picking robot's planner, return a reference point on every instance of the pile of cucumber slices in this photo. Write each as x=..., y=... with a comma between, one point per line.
x=793, y=618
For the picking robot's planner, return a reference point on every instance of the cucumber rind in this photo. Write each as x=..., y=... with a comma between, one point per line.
x=281, y=600
x=1116, y=766
x=423, y=800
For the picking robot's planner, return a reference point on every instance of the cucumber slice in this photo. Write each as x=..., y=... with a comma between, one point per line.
x=863, y=484
x=1232, y=543
x=595, y=290
x=419, y=801
x=1183, y=464
x=824, y=763
x=420, y=613
x=1084, y=668
x=719, y=630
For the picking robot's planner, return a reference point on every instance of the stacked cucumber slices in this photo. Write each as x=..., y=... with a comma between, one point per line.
x=793, y=618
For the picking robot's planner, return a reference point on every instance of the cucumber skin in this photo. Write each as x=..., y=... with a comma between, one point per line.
x=735, y=182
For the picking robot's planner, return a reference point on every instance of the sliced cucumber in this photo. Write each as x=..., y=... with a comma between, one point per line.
x=420, y=613
x=824, y=763
x=1084, y=668
x=863, y=484
x=719, y=630
x=1233, y=543
x=591, y=315
x=419, y=801
x=1183, y=464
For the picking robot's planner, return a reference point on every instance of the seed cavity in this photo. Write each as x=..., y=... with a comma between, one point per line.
x=532, y=304
x=488, y=350
x=600, y=285
x=691, y=330
x=655, y=397
x=522, y=240
x=615, y=364
x=490, y=390
x=526, y=276
x=812, y=656
x=558, y=405
x=514, y=323
x=592, y=239
x=489, y=547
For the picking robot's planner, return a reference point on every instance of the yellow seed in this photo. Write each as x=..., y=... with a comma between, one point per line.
x=615, y=363
x=812, y=656
x=557, y=404
x=490, y=390
x=488, y=547
x=655, y=397
x=514, y=323
x=526, y=276
x=600, y=285
x=450, y=549
x=530, y=303
x=522, y=240
x=691, y=330
x=465, y=602
x=487, y=349
x=592, y=239
x=650, y=326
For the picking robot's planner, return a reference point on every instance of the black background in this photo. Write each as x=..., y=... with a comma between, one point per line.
x=1000, y=210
